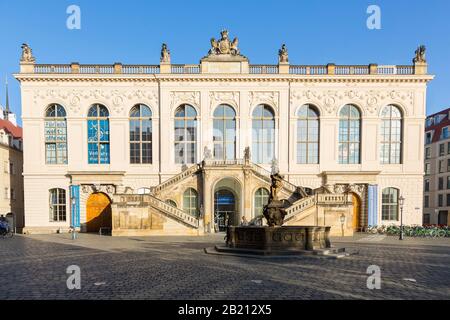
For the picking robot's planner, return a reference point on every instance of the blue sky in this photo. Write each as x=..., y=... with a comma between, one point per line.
x=315, y=31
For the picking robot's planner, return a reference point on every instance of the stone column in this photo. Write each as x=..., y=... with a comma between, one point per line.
x=208, y=206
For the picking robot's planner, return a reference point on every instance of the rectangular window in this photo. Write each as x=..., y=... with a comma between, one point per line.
x=440, y=200
x=441, y=183
x=389, y=209
x=427, y=185
x=13, y=194
x=441, y=166
x=441, y=149
x=444, y=134
x=448, y=147
x=57, y=203
x=427, y=153
x=427, y=202
x=427, y=169
x=98, y=141
x=428, y=137
x=448, y=200
x=426, y=219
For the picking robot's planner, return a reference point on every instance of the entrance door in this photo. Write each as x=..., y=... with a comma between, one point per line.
x=443, y=218
x=98, y=212
x=356, y=212
x=224, y=209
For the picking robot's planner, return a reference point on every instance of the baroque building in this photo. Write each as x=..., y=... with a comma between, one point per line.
x=437, y=169
x=11, y=160
x=188, y=149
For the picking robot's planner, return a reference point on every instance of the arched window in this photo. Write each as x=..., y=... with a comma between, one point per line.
x=185, y=135
x=171, y=202
x=349, y=135
x=57, y=205
x=261, y=199
x=391, y=135
x=389, y=209
x=224, y=135
x=55, y=135
x=263, y=134
x=190, y=202
x=98, y=135
x=140, y=134
x=307, y=135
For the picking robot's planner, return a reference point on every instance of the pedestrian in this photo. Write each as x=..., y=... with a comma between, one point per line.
x=244, y=221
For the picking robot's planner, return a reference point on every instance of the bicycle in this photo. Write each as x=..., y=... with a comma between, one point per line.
x=6, y=233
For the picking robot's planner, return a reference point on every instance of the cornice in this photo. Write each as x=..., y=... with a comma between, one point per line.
x=225, y=78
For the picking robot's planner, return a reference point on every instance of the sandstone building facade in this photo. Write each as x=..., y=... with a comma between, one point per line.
x=188, y=149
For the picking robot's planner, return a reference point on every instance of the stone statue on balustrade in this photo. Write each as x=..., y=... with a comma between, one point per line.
x=283, y=56
x=165, y=54
x=27, y=54
x=420, y=55
x=247, y=155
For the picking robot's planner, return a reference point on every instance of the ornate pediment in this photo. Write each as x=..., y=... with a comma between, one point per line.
x=224, y=49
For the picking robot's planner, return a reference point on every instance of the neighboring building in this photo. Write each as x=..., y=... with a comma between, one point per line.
x=437, y=169
x=11, y=159
x=122, y=146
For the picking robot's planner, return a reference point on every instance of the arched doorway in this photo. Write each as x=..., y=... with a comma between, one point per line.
x=227, y=204
x=224, y=209
x=98, y=212
x=356, y=212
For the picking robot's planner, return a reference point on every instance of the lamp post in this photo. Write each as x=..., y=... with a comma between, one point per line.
x=342, y=219
x=74, y=231
x=401, y=202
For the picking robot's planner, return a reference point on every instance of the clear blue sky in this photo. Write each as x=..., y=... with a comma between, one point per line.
x=315, y=31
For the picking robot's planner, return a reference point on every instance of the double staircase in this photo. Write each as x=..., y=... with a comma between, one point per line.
x=297, y=211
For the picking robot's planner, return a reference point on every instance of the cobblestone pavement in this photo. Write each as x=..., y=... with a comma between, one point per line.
x=34, y=267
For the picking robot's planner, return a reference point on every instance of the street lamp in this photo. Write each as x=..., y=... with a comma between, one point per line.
x=401, y=202
x=73, y=201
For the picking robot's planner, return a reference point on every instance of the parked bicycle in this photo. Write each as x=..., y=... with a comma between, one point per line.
x=428, y=231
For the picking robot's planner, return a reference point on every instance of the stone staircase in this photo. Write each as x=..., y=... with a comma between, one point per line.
x=171, y=211
x=175, y=179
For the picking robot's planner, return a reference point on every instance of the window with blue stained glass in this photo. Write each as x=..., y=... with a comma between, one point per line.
x=55, y=135
x=98, y=135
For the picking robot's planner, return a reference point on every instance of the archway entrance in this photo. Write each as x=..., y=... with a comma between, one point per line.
x=98, y=212
x=227, y=193
x=224, y=209
x=356, y=212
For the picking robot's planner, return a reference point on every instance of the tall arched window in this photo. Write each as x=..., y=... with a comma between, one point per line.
x=185, y=135
x=261, y=199
x=389, y=208
x=57, y=205
x=307, y=135
x=190, y=202
x=391, y=135
x=349, y=135
x=263, y=150
x=55, y=135
x=140, y=134
x=98, y=135
x=224, y=135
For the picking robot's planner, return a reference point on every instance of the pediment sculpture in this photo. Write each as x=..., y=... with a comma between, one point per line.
x=224, y=45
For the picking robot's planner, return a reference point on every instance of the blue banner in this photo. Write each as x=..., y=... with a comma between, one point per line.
x=75, y=206
x=373, y=206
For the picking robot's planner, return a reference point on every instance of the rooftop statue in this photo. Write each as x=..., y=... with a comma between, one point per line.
x=27, y=54
x=224, y=45
x=420, y=55
x=283, y=55
x=165, y=54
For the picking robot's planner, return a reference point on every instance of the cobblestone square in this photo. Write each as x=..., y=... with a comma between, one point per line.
x=34, y=267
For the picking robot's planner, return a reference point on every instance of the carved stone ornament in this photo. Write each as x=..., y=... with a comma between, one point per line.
x=27, y=54
x=226, y=97
x=224, y=45
x=179, y=97
x=115, y=98
x=370, y=100
x=108, y=189
x=269, y=97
